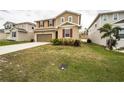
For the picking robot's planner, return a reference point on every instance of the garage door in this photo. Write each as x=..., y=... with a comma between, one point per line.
x=44, y=37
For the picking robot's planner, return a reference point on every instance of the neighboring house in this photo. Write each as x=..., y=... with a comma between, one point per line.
x=2, y=34
x=116, y=18
x=64, y=25
x=19, y=31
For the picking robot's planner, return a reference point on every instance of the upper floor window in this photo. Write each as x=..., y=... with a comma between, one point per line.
x=62, y=19
x=22, y=26
x=8, y=26
x=104, y=17
x=70, y=19
x=95, y=25
x=115, y=16
x=41, y=23
x=51, y=23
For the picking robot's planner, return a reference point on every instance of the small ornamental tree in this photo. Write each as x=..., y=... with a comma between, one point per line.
x=112, y=33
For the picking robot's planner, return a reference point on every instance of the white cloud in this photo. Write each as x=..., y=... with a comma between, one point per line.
x=32, y=15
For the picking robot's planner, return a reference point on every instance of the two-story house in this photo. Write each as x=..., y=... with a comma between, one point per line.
x=19, y=31
x=64, y=25
x=116, y=18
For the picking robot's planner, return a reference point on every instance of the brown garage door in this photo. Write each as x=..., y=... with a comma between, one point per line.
x=44, y=37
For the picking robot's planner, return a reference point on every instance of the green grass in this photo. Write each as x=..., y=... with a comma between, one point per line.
x=6, y=42
x=89, y=62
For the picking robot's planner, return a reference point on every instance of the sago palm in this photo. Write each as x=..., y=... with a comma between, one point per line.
x=112, y=33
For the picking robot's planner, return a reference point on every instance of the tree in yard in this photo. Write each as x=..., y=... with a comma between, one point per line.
x=112, y=33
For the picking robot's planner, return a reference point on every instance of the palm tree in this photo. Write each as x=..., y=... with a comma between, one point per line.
x=112, y=33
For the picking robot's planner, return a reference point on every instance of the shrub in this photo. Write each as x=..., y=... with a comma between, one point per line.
x=70, y=42
x=77, y=43
x=56, y=42
x=89, y=41
x=32, y=40
x=65, y=42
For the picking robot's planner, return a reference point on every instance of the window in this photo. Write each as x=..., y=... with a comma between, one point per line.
x=95, y=25
x=13, y=34
x=70, y=19
x=121, y=33
x=38, y=24
x=7, y=26
x=115, y=16
x=62, y=19
x=67, y=32
x=51, y=22
x=104, y=17
x=41, y=23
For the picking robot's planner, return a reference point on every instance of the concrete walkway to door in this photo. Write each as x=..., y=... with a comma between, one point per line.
x=17, y=47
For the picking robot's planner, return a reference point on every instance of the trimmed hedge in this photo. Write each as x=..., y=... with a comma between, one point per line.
x=69, y=42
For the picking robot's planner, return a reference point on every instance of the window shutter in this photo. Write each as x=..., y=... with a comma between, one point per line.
x=63, y=32
x=71, y=32
x=43, y=23
x=53, y=22
x=38, y=24
x=48, y=22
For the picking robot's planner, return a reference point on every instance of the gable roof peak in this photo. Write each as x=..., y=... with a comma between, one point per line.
x=68, y=12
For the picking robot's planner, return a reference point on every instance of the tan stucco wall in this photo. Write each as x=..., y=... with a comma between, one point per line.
x=2, y=36
x=46, y=23
x=57, y=21
x=65, y=15
x=53, y=34
x=75, y=33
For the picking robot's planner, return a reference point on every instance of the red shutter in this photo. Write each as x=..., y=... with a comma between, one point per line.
x=63, y=32
x=71, y=32
x=38, y=24
x=48, y=22
x=53, y=22
x=43, y=23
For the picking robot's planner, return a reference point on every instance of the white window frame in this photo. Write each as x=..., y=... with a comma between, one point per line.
x=41, y=23
x=69, y=19
x=114, y=16
x=65, y=29
x=51, y=22
x=62, y=18
x=104, y=16
x=121, y=33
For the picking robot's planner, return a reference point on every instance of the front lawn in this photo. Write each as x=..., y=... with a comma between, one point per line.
x=89, y=62
x=7, y=42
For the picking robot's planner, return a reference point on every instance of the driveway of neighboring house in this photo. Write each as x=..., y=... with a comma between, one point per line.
x=84, y=40
x=17, y=47
x=122, y=51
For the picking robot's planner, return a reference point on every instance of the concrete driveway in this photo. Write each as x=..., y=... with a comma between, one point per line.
x=121, y=51
x=17, y=47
